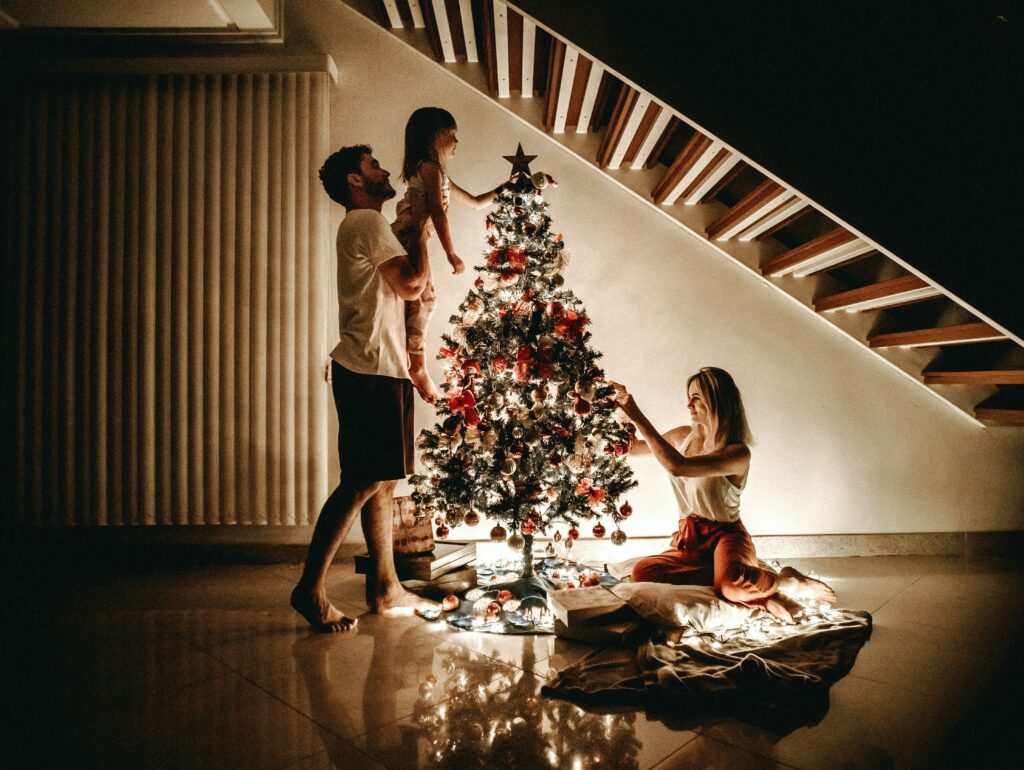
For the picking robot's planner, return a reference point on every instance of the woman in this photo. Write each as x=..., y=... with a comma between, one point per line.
x=708, y=464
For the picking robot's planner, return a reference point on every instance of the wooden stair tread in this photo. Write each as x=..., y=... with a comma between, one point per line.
x=956, y=334
x=895, y=291
x=975, y=377
x=840, y=244
x=760, y=202
x=1000, y=415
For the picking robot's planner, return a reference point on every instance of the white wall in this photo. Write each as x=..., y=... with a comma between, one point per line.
x=844, y=444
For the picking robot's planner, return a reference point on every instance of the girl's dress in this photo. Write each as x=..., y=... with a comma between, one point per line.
x=417, y=311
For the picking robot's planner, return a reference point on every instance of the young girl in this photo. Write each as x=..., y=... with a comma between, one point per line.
x=708, y=464
x=430, y=143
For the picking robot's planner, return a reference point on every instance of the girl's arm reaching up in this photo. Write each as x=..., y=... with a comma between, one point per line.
x=481, y=201
x=431, y=175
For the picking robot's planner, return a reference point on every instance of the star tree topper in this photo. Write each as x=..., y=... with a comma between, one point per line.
x=520, y=162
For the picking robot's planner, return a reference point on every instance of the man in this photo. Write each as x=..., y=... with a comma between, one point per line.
x=372, y=390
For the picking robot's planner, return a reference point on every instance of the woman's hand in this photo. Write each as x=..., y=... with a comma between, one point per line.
x=624, y=401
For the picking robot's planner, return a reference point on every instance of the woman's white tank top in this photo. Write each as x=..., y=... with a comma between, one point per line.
x=713, y=497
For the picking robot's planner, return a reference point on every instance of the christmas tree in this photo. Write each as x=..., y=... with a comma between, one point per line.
x=527, y=434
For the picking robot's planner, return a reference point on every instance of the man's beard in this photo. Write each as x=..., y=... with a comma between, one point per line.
x=380, y=190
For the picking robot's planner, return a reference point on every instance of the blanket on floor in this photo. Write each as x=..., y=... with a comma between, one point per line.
x=711, y=656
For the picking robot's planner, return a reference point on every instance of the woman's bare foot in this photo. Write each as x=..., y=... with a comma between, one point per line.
x=797, y=585
x=781, y=608
x=396, y=601
x=421, y=381
x=320, y=613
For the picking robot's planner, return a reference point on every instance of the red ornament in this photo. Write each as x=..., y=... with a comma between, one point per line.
x=581, y=406
x=596, y=496
x=479, y=283
x=472, y=366
x=492, y=610
x=626, y=510
x=499, y=364
x=599, y=530
x=494, y=258
x=449, y=603
x=589, y=579
x=528, y=527
x=621, y=448
x=574, y=533
x=569, y=584
x=472, y=519
x=554, y=459
x=523, y=357
x=447, y=352
x=517, y=259
x=569, y=326
x=471, y=416
x=441, y=532
x=609, y=449
x=508, y=277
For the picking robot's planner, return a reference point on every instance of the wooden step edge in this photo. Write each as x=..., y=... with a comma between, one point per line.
x=805, y=252
x=895, y=291
x=976, y=377
x=958, y=334
x=755, y=200
x=999, y=416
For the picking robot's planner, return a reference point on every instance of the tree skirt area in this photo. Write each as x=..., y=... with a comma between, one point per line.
x=504, y=603
x=713, y=657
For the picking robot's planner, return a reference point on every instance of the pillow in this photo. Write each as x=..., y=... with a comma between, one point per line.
x=670, y=606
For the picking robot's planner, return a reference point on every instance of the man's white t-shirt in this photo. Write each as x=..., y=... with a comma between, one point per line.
x=371, y=316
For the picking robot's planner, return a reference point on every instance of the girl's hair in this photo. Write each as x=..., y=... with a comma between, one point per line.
x=725, y=406
x=421, y=132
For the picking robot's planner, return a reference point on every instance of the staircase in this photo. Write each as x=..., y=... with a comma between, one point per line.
x=651, y=149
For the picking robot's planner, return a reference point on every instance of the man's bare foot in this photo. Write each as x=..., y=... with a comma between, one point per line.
x=320, y=613
x=797, y=585
x=397, y=602
x=424, y=385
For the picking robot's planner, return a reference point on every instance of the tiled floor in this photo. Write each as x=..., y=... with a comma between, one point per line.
x=208, y=667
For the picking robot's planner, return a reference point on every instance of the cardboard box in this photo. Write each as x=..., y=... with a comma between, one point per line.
x=446, y=557
x=573, y=606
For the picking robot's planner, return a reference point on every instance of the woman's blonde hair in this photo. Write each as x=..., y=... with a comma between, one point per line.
x=728, y=418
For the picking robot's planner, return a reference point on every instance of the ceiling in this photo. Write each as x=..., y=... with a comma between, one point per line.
x=142, y=16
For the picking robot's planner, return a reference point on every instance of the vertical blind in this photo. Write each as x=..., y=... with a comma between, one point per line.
x=167, y=238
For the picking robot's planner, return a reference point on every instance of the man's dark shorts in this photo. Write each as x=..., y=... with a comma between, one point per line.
x=375, y=414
